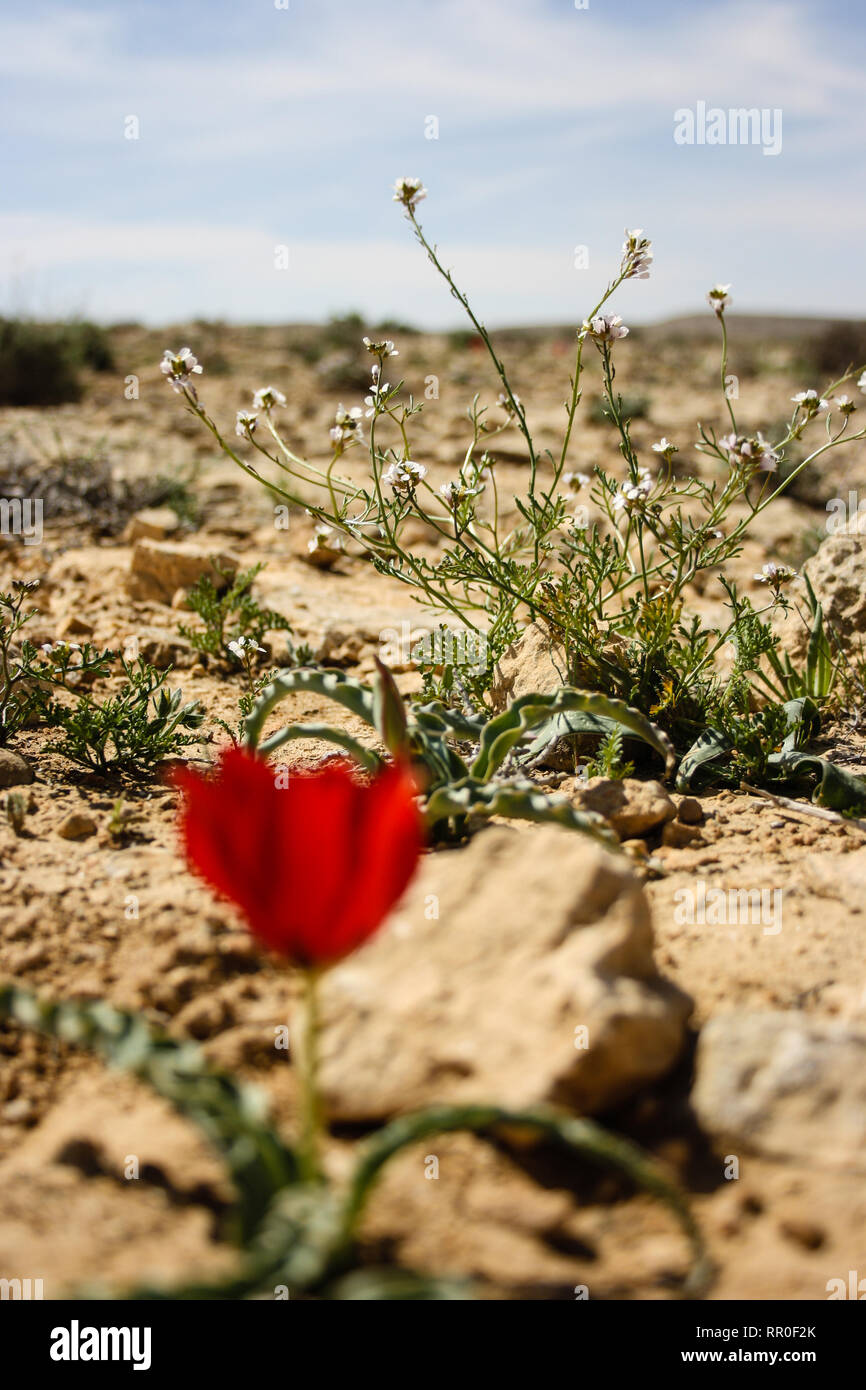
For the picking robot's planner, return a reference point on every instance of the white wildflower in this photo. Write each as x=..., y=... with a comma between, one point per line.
x=810, y=402
x=719, y=299
x=245, y=424
x=178, y=367
x=409, y=192
x=665, y=448
x=575, y=481
x=347, y=425
x=244, y=646
x=455, y=493
x=382, y=349
x=605, y=328
x=775, y=575
x=404, y=477
x=267, y=397
x=749, y=453
x=636, y=255
x=325, y=539
x=374, y=402
x=633, y=495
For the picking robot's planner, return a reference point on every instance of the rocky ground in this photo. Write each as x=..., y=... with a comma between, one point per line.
x=733, y=1051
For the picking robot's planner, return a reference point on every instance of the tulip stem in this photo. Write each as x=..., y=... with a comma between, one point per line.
x=307, y=1066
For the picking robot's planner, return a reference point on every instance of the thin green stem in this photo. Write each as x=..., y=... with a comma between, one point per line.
x=306, y=1061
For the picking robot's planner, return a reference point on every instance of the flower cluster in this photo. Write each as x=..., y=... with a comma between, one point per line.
x=454, y=494
x=810, y=403
x=409, y=192
x=404, y=477
x=347, y=426
x=666, y=449
x=244, y=648
x=383, y=349
x=179, y=367
x=637, y=256
x=633, y=496
x=604, y=328
x=245, y=423
x=775, y=576
x=749, y=454
x=575, y=481
x=267, y=397
x=718, y=299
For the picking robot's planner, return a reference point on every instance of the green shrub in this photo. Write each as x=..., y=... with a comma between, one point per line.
x=40, y=363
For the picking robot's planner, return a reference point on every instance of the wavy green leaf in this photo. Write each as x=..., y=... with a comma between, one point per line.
x=369, y=760
x=583, y=1137
x=331, y=684
x=506, y=730
x=516, y=801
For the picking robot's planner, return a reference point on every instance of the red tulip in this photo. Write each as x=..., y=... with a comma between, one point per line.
x=314, y=866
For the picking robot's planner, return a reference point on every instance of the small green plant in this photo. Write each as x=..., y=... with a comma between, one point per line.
x=231, y=616
x=29, y=675
x=15, y=806
x=131, y=731
x=609, y=762
x=603, y=562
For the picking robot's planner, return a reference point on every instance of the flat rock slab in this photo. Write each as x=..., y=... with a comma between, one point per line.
x=518, y=970
x=785, y=1086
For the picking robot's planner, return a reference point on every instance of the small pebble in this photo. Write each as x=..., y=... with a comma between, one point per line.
x=76, y=826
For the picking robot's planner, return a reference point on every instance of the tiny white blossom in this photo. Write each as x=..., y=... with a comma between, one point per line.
x=719, y=299
x=381, y=349
x=744, y=452
x=575, y=481
x=60, y=646
x=245, y=423
x=325, y=542
x=636, y=255
x=845, y=404
x=455, y=493
x=633, y=495
x=347, y=425
x=267, y=397
x=810, y=401
x=861, y=381
x=508, y=403
x=665, y=447
x=373, y=402
x=178, y=367
x=605, y=328
x=404, y=477
x=775, y=575
x=242, y=645
x=409, y=192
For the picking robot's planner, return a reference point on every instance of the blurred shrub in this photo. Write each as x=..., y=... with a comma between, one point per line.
x=40, y=363
x=634, y=407
x=836, y=348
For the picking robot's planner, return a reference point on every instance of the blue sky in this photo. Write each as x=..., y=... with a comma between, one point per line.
x=261, y=127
